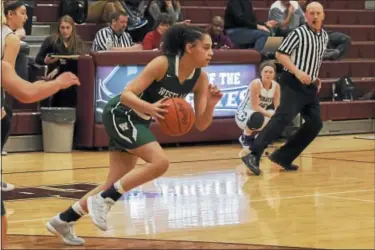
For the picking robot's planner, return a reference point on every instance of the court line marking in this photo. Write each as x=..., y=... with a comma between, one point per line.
x=312, y=195
x=348, y=199
x=191, y=161
x=279, y=247
x=250, y=201
x=336, y=159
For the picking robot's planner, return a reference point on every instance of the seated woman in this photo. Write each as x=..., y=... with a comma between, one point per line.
x=153, y=38
x=65, y=41
x=256, y=109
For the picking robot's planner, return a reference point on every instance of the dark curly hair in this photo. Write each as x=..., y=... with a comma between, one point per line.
x=176, y=38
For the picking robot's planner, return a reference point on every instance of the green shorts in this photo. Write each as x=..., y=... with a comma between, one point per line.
x=126, y=130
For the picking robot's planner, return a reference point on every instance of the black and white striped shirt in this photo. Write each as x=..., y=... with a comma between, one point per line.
x=306, y=48
x=107, y=34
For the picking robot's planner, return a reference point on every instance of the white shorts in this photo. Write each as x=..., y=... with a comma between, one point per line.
x=242, y=116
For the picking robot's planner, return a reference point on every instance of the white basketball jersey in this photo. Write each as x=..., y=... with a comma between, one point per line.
x=5, y=31
x=266, y=96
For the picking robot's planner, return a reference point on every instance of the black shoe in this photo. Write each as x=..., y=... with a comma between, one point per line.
x=288, y=167
x=252, y=163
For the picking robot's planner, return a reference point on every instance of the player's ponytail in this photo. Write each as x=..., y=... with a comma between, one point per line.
x=176, y=38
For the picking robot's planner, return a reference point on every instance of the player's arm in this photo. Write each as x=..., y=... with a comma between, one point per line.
x=12, y=47
x=255, y=100
x=276, y=98
x=28, y=93
x=155, y=70
x=206, y=97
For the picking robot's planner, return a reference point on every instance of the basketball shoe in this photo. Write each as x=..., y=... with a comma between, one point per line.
x=65, y=230
x=99, y=208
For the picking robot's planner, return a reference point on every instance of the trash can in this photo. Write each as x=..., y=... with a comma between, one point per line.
x=58, y=129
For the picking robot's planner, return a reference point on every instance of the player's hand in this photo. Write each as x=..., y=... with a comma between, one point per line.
x=159, y=109
x=50, y=60
x=214, y=95
x=303, y=77
x=67, y=79
x=262, y=27
x=291, y=9
x=271, y=23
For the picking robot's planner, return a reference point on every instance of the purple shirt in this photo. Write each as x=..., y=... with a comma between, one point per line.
x=221, y=40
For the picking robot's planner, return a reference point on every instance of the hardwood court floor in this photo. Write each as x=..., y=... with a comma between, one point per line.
x=205, y=197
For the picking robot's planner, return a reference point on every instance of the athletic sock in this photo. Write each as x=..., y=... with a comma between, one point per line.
x=115, y=192
x=73, y=213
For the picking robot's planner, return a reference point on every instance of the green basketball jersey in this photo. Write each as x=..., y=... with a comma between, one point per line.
x=168, y=86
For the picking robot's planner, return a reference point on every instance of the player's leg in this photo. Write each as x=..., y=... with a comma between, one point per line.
x=4, y=225
x=156, y=165
x=62, y=224
x=6, y=124
x=250, y=122
x=132, y=133
x=6, y=120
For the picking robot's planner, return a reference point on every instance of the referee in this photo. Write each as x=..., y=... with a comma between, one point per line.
x=301, y=54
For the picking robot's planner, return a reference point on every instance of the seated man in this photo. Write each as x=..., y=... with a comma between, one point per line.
x=153, y=38
x=216, y=31
x=114, y=37
x=288, y=16
x=255, y=110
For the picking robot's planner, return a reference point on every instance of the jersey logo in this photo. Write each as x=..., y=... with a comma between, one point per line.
x=242, y=115
x=123, y=126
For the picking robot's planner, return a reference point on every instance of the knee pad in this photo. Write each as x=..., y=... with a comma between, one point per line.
x=255, y=121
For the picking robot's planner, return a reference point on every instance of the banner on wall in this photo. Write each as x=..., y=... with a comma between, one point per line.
x=232, y=79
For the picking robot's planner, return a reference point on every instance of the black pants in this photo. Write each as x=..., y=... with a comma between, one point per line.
x=65, y=98
x=295, y=98
x=6, y=124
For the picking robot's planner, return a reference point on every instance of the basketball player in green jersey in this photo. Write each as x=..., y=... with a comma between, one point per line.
x=25, y=92
x=127, y=118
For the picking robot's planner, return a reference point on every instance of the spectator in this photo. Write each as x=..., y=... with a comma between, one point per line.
x=171, y=7
x=288, y=16
x=138, y=24
x=153, y=38
x=65, y=41
x=114, y=37
x=242, y=27
x=216, y=31
x=338, y=44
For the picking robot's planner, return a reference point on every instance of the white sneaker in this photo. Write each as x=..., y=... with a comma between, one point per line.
x=65, y=230
x=6, y=186
x=98, y=210
x=4, y=153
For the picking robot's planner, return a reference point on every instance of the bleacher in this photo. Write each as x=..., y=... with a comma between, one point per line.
x=347, y=16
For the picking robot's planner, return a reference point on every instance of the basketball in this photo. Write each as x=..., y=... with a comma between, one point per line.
x=180, y=117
